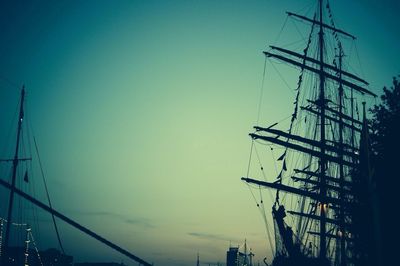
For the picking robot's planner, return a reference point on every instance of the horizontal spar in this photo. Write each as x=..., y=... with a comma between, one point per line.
x=318, y=71
x=74, y=224
x=317, y=184
x=313, y=216
x=318, y=113
x=330, y=235
x=292, y=190
x=311, y=142
x=322, y=24
x=328, y=178
x=340, y=114
x=315, y=61
x=303, y=149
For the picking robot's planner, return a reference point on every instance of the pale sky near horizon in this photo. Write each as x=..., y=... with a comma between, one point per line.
x=141, y=110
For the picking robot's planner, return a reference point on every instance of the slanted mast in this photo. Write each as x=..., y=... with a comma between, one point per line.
x=328, y=186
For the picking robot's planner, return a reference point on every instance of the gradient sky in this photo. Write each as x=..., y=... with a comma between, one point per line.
x=141, y=110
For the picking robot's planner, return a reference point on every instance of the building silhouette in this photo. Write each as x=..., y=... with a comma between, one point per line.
x=234, y=257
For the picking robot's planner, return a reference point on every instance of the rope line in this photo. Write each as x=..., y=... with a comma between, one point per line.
x=48, y=196
x=281, y=76
x=36, y=248
x=281, y=30
x=261, y=92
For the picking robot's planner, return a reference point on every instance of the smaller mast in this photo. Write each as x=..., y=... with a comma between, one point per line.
x=13, y=178
x=245, y=250
x=14, y=190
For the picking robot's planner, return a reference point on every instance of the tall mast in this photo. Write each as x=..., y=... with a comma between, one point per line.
x=14, y=175
x=337, y=154
x=341, y=166
x=323, y=205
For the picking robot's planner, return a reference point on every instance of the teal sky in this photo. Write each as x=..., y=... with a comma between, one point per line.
x=141, y=110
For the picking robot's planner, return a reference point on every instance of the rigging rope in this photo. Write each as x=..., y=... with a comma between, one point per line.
x=262, y=171
x=298, y=31
x=12, y=84
x=27, y=241
x=1, y=235
x=48, y=196
x=273, y=158
x=294, y=116
x=305, y=51
x=261, y=92
x=296, y=103
x=262, y=211
x=264, y=215
x=35, y=224
x=36, y=248
x=251, y=152
x=358, y=58
x=281, y=76
x=281, y=30
x=248, y=170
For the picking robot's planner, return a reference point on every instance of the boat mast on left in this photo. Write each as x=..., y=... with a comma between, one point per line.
x=15, y=161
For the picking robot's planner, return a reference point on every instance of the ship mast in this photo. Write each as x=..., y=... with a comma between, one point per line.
x=341, y=166
x=14, y=190
x=326, y=151
x=323, y=162
x=13, y=178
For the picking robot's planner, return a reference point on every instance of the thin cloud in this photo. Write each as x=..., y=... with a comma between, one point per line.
x=211, y=236
x=143, y=222
x=140, y=221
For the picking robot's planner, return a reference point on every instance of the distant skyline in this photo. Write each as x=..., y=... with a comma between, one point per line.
x=142, y=109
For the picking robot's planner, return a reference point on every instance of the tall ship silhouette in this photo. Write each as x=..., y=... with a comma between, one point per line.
x=323, y=210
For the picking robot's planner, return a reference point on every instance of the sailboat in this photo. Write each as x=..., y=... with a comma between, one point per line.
x=322, y=212
x=28, y=253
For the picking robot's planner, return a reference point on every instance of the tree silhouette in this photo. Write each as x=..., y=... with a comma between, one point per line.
x=385, y=141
